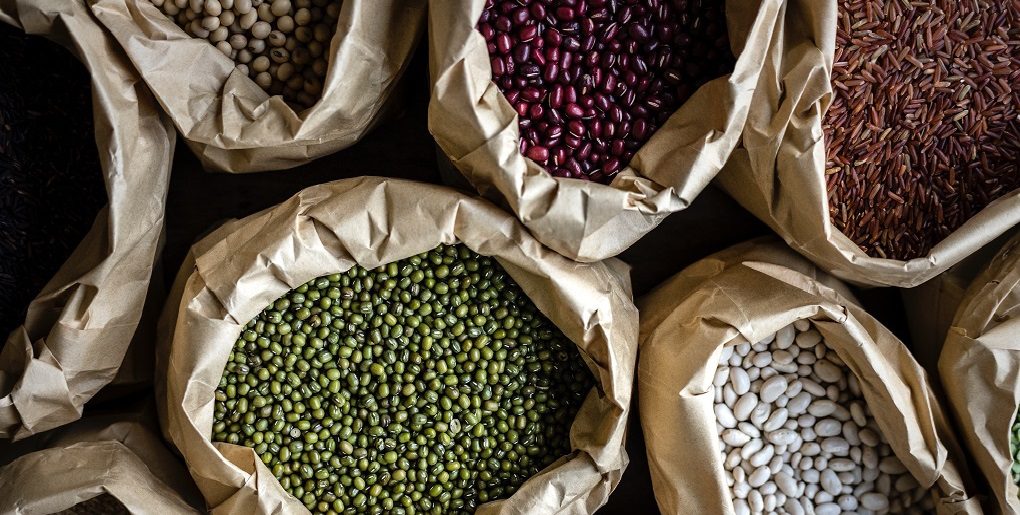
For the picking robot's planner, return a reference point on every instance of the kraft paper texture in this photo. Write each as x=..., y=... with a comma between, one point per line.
x=778, y=172
x=78, y=328
x=93, y=457
x=743, y=295
x=244, y=265
x=931, y=307
x=980, y=369
x=477, y=128
x=233, y=125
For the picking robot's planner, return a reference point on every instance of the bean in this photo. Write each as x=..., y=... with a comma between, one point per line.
x=471, y=427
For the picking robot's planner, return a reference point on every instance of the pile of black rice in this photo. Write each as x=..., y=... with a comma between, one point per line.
x=51, y=183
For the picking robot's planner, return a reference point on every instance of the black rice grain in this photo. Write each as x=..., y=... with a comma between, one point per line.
x=51, y=185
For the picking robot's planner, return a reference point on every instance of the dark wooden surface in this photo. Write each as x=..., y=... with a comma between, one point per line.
x=403, y=148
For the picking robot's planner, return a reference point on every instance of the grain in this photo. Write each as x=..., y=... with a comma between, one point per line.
x=51, y=185
x=922, y=132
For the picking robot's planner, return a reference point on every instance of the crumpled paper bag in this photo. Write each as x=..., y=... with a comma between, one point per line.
x=78, y=328
x=980, y=370
x=743, y=295
x=233, y=125
x=93, y=457
x=244, y=265
x=477, y=128
x=778, y=172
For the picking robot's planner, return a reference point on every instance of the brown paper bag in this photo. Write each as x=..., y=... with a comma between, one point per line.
x=230, y=122
x=94, y=457
x=931, y=307
x=240, y=268
x=980, y=369
x=745, y=294
x=778, y=173
x=477, y=128
x=79, y=327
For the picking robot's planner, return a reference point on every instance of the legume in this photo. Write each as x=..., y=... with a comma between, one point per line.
x=922, y=132
x=592, y=80
x=431, y=384
x=51, y=182
x=797, y=435
x=282, y=45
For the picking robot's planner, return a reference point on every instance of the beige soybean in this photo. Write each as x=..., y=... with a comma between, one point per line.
x=277, y=43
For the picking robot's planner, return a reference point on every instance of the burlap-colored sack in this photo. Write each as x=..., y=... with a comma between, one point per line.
x=980, y=370
x=477, y=128
x=244, y=265
x=122, y=459
x=931, y=306
x=743, y=295
x=78, y=328
x=778, y=172
x=235, y=126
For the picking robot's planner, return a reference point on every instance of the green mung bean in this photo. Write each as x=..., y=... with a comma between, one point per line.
x=1014, y=449
x=428, y=385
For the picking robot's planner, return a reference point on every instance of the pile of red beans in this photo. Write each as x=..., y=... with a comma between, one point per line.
x=593, y=79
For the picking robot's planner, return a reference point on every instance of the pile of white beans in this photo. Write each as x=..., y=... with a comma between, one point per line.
x=797, y=436
x=283, y=45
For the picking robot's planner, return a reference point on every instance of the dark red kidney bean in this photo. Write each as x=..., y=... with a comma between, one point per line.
x=585, y=150
x=574, y=167
x=538, y=153
x=640, y=129
x=519, y=16
x=503, y=24
x=486, y=31
x=497, y=67
x=552, y=73
x=560, y=155
x=522, y=53
x=576, y=128
x=531, y=94
x=552, y=37
x=609, y=130
x=504, y=43
x=591, y=80
x=556, y=97
x=640, y=33
x=617, y=147
x=570, y=94
x=527, y=33
x=513, y=96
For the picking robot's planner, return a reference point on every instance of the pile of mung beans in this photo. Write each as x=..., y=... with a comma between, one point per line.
x=797, y=435
x=591, y=80
x=428, y=385
x=283, y=45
